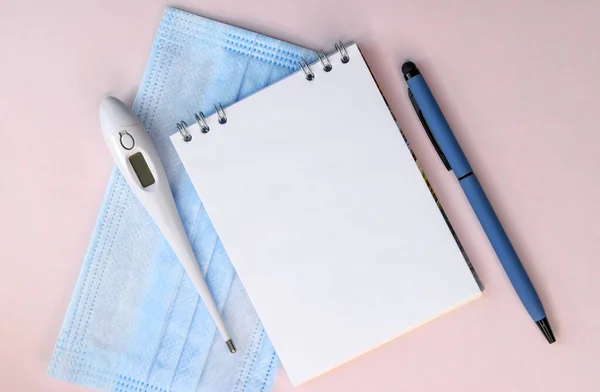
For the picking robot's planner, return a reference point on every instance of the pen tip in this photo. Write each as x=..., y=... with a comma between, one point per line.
x=544, y=326
x=230, y=346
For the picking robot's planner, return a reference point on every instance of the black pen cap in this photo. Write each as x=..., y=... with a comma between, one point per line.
x=409, y=69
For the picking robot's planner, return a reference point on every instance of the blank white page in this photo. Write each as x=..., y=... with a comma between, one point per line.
x=326, y=217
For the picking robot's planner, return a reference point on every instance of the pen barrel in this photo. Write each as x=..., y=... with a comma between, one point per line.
x=438, y=125
x=504, y=250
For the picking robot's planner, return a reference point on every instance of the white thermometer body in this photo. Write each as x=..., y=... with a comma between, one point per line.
x=140, y=165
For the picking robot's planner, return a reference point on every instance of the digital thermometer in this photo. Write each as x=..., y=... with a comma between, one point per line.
x=140, y=165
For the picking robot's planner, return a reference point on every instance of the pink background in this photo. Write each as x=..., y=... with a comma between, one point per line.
x=518, y=81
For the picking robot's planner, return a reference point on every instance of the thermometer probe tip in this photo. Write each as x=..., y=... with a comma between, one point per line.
x=230, y=346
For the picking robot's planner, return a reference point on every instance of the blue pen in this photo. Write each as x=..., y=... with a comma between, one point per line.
x=454, y=159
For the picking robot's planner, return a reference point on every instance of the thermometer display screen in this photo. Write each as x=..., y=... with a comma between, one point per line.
x=141, y=169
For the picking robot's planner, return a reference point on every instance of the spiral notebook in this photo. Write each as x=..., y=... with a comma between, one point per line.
x=325, y=214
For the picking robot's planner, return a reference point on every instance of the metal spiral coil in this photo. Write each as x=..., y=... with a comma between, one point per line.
x=201, y=120
x=339, y=46
x=221, y=113
x=324, y=61
x=310, y=76
x=306, y=68
x=181, y=127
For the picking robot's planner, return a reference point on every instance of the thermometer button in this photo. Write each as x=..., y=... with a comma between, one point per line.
x=127, y=141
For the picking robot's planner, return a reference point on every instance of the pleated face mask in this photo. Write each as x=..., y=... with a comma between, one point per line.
x=135, y=322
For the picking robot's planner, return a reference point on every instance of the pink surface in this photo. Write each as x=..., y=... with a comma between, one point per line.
x=518, y=81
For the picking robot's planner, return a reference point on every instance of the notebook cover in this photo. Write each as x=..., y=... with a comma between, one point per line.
x=326, y=217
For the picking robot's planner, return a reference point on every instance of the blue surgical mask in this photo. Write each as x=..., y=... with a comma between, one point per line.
x=135, y=322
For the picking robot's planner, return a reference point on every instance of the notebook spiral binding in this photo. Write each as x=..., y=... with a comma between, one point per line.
x=310, y=76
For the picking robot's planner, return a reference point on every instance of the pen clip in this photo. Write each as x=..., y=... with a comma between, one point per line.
x=428, y=131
